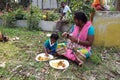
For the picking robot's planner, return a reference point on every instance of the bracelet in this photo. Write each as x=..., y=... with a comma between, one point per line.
x=78, y=41
x=68, y=35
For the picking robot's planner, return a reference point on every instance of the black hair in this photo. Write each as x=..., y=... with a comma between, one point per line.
x=80, y=16
x=63, y=3
x=54, y=36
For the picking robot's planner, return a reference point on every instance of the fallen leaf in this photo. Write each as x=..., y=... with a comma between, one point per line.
x=3, y=64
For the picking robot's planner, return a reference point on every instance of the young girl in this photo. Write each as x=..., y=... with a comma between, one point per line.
x=50, y=45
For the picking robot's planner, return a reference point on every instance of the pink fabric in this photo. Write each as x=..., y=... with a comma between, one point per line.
x=83, y=36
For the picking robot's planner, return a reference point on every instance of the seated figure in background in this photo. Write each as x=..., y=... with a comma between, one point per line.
x=98, y=5
x=63, y=18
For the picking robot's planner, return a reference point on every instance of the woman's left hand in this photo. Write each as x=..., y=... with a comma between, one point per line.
x=73, y=39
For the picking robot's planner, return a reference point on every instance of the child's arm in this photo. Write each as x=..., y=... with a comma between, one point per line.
x=45, y=50
x=45, y=47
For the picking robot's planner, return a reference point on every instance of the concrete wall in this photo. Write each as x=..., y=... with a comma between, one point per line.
x=107, y=29
x=46, y=4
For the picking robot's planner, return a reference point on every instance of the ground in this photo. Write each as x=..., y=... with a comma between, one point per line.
x=17, y=60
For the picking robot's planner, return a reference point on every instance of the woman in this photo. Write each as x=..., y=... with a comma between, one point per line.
x=80, y=40
x=98, y=5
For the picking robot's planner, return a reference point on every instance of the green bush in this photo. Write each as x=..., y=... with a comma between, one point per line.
x=33, y=18
x=96, y=58
x=51, y=16
x=20, y=14
x=82, y=5
x=9, y=19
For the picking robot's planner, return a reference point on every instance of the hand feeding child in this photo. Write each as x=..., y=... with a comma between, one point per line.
x=50, y=44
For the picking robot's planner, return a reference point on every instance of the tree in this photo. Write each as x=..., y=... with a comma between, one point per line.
x=118, y=5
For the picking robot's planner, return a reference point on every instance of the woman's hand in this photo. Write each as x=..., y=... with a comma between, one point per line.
x=65, y=34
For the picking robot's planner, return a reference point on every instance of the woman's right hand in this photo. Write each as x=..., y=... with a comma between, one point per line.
x=65, y=34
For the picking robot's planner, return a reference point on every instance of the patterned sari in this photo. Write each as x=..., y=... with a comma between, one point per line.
x=73, y=50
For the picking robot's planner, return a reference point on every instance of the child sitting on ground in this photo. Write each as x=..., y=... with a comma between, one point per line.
x=50, y=45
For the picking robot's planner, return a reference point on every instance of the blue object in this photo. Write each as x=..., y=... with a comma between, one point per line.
x=52, y=48
x=91, y=30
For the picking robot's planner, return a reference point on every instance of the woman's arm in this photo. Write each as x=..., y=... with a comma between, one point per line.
x=88, y=42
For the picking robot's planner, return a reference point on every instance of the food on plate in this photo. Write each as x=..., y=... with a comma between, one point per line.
x=43, y=58
x=58, y=64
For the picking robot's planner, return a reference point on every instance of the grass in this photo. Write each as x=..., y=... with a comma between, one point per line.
x=21, y=65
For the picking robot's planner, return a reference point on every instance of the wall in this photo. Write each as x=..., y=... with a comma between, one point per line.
x=107, y=29
x=46, y=4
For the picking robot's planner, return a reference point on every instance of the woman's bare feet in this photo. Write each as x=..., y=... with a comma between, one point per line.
x=79, y=62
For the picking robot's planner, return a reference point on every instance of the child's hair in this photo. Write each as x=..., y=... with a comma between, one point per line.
x=54, y=36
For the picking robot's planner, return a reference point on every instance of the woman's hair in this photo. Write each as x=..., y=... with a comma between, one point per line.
x=80, y=16
x=54, y=36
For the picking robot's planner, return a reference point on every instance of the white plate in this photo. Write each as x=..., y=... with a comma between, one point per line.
x=43, y=55
x=60, y=67
x=48, y=35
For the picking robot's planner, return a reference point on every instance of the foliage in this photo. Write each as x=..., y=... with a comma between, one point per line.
x=82, y=5
x=9, y=19
x=20, y=14
x=33, y=18
x=96, y=57
x=11, y=4
x=50, y=16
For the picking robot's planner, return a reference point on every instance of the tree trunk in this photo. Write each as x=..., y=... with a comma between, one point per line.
x=117, y=5
x=37, y=4
x=57, y=3
x=42, y=4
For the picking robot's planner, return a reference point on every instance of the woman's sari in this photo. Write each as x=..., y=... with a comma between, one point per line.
x=73, y=49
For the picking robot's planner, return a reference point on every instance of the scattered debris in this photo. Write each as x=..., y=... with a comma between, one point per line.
x=3, y=64
x=92, y=78
x=15, y=38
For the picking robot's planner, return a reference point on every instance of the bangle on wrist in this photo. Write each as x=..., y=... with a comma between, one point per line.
x=68, y=35
x=78, y=41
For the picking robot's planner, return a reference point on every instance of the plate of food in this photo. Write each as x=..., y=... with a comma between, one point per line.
x=59, y=64
x=43, y=57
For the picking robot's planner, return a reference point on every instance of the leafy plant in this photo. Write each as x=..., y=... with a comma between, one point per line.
x=82, y=5
x=33, y=18
x=20, y=14
x=9, y=20
x=50, y=16
x=96, y=58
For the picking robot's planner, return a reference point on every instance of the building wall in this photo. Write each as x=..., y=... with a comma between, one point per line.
x=107, y=29
x=46, y=4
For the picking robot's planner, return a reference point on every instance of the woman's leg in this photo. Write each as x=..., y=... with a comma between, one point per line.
x=80, y=58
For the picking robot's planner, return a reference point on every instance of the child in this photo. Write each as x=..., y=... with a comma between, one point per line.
x=50, y=45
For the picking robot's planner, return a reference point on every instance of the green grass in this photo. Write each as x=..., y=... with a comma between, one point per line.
x=23, y=52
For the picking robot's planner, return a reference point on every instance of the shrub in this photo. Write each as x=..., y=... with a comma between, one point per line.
x=20, y=14
x=33, y=18
x=9, y=20
x=82, y=5
x=51, y=16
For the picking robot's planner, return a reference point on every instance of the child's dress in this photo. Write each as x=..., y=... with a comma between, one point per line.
x=51, y=47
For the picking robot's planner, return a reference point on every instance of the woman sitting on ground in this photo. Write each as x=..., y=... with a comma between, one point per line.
x=80, y=40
